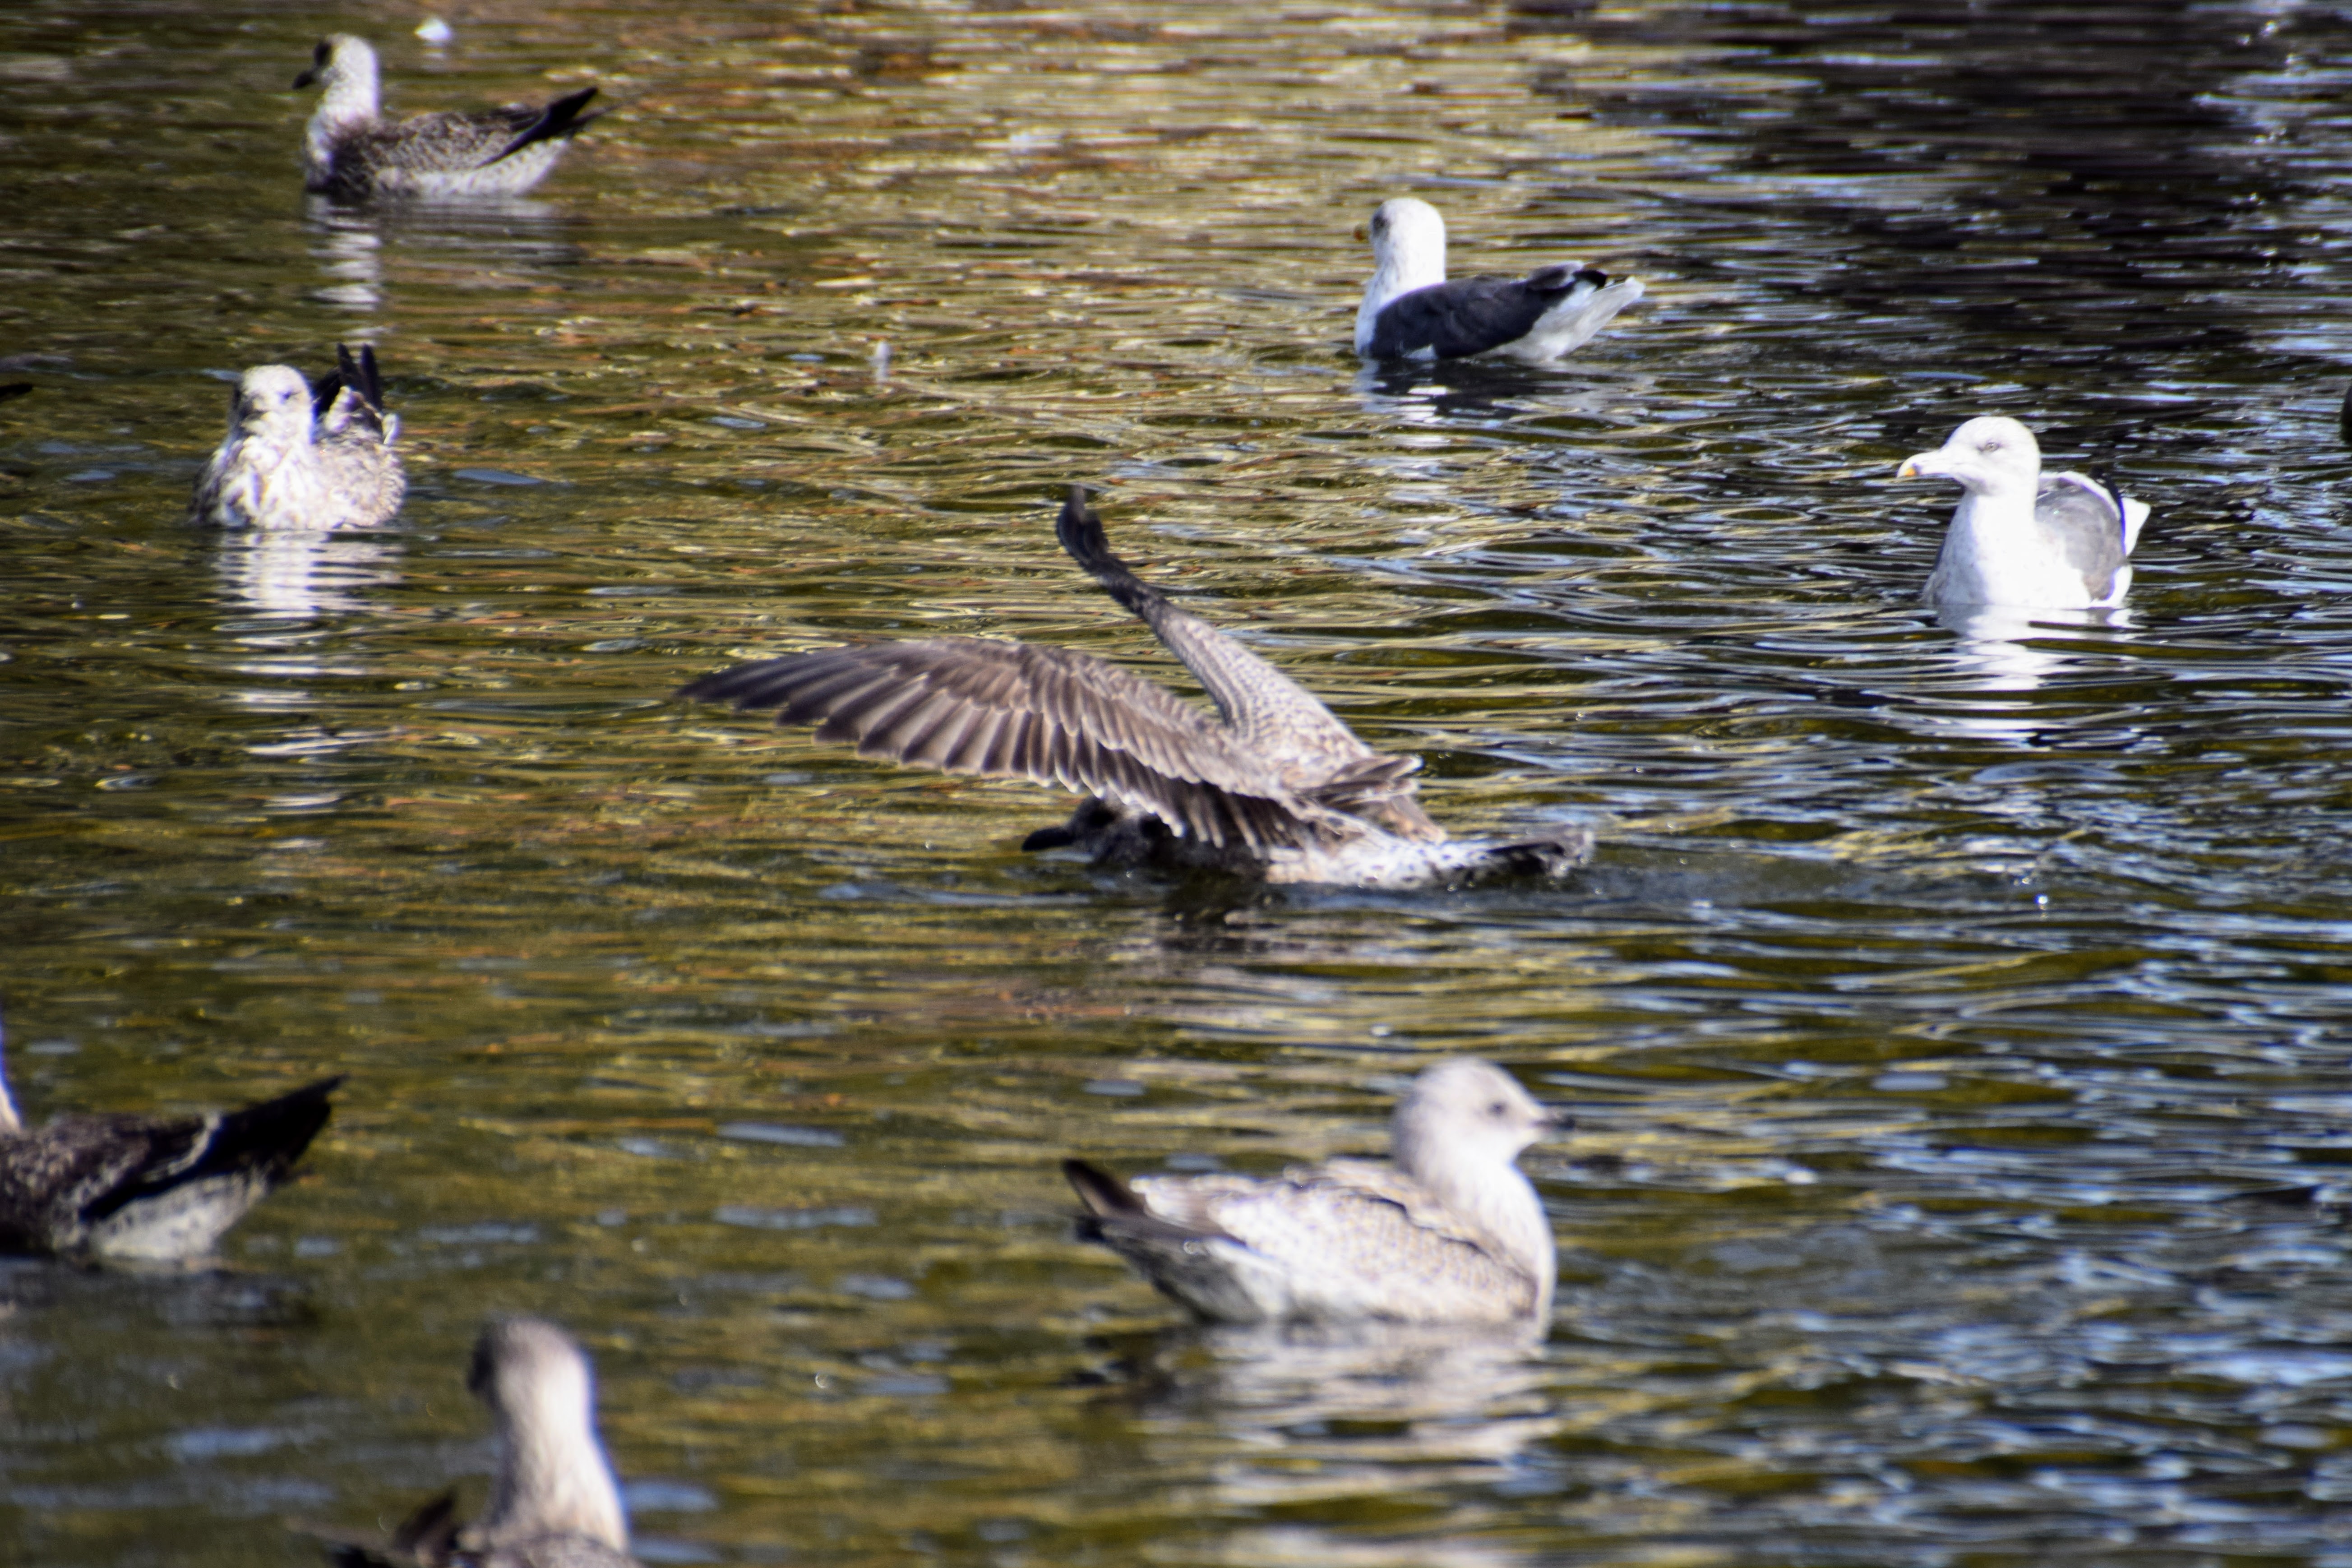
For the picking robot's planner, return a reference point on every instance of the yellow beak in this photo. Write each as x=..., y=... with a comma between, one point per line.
x=1910, y=470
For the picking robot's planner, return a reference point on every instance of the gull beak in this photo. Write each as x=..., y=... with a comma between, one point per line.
x=306, y=78
x=1921, y=465
x=1556, y=1118
x=1362, y=234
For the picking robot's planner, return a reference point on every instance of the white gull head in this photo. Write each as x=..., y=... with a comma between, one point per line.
x=552, y=1478
x=1990, y=456
x=1459, y=1131
x=1408, y=253
x=344, y=66
x=272, y=406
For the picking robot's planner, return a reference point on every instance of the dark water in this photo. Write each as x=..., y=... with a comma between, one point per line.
x=1955, y=1015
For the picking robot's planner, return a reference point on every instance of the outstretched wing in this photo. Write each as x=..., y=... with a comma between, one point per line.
x=1015, y=711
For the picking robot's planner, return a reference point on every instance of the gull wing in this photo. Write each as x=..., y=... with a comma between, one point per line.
x=1006, y=709
x=2086, y=519
x=1472, y=315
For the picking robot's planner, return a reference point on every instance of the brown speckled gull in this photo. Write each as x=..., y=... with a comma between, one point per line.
x=351, y=152
x=147, y=1189
x=1275, y=786
x=553, y=1503
x=1450, y=1231
x=304, y=457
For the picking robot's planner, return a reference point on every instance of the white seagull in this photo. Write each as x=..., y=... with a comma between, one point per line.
x=1450, y=1231
x=352, y=154
x=304, y=457
x=2023, y=538
x=1410, y=311
x=553, y=1503
x=1275, y=787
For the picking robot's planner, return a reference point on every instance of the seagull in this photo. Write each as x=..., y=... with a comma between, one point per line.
x=146, y=1189
x=1450, y=1231
x=1409, y=310
x=553, y=1503
x=2023, y=538
x=1276, y=788
x=304, y=457
x=352, y=154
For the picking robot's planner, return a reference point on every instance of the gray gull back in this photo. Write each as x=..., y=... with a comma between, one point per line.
x=351, y=152
x=2021, y=537
x=1411, y=310
x=553, y=1503
x=304, y=457
x=1276, y=788
x=148, y=1189
x=1452, y=1231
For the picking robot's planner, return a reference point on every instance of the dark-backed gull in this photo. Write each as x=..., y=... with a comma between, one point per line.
x=1276, y=788
x=2021, y=537
x=352, y=154
x=1409, y=309
x=304, y=456
x=1449, y=1231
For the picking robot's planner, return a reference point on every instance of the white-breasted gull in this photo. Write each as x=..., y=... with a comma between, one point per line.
x=1449, y=1231
x=299, y=456
x=1409, y=309
x=553, y=1503
x=2022, y=537
x=146, y=1189
x=1276, y=788
x=351, y=152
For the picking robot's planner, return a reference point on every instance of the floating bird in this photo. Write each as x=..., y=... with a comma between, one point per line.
x=299, y=456
x=1409, y=310
x=351, y=153
x=1449, y=1232
x=146, y=1189
x=2021, y=537
x=552, y=1501
x=1276, y=788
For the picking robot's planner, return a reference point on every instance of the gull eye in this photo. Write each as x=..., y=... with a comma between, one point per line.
x=1992, y=446
x=1498, y=1110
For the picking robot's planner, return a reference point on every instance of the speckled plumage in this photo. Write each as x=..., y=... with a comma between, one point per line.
x=146, y=1188
x=1411, y=310
x=1449, y=1232
x=304, y=457
x=351, y=152
x=553, y=1503
x=2021, y=537
x=1276, y=788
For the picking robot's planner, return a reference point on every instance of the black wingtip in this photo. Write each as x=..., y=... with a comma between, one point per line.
x=1105, y=1195
x=558, y=121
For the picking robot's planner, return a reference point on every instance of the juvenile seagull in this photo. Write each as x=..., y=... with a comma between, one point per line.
x=1449, y=1232
x=2021, y=537
x=1275, y=787
x=1409, y=309
x=148, y=1189
x=299, y=456
x=552, y=1501
x=351, y=153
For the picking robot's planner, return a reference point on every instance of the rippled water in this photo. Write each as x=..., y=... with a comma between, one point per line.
x=1955, y=1015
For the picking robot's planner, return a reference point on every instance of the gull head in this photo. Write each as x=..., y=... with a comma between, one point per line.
x=552, y=1476
x=1408, y=242
x=1465, y=1113
x=531, y=1375
x=1988, y=456
x=273, y=403
x=344, y=66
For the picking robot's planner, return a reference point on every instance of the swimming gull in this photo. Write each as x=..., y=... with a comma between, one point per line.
x=146, y=1189
x=1409, y=309
x=2023, y=538
x=1276, y=787
x=1452, y=1231
x=552, y=1503
x=299, y=456
x=351, y=152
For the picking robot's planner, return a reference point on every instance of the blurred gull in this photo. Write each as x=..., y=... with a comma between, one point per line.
x=352, y=154
x=1409, y=309
x=2021, y=538
x=303, y=457
x=1452, y=1231
x=552, y=1503
x=1276, y=788
x=146, y=1189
